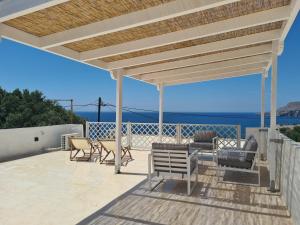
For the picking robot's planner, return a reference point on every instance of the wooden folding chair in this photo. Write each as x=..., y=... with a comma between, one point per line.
x=109, y=146
x=84, y=146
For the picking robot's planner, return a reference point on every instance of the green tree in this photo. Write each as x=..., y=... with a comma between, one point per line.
x=31, y=109
x=292, y=133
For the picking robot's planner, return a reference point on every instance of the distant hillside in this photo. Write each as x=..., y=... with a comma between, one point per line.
x=291, y=109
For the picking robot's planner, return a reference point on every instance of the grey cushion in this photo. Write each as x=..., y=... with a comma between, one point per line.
x=203, y=146
x=232, y=158
x=170, y=146
x=204, y=136
x=250, y=145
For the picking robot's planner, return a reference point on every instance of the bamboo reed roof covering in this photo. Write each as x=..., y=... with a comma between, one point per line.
x=87, y=31
x=194, y=56
x=77, y=13
x=185, y=44
x=179, y=23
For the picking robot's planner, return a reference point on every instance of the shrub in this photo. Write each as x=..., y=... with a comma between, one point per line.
x=31, y=109
x=292, y=133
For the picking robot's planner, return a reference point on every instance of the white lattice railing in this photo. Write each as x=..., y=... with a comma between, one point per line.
x=142, y=135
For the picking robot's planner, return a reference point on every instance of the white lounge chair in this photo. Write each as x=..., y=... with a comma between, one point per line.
x=173, y=159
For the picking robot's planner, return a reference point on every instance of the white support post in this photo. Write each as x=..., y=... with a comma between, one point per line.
x=262, y=112
x=118, y=162
x=273, y=146
x=274, y=86
x=87, y=129
x=161, y=111
x=263, y=130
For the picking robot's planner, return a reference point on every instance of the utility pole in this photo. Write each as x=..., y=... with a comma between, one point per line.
x=71, y=100
x=71, y=105
x=99, y=108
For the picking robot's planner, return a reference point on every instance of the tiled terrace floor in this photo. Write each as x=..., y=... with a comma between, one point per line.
x=49, y=189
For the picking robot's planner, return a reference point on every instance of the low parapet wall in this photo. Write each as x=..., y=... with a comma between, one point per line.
x=16, y=143
x=288, y=159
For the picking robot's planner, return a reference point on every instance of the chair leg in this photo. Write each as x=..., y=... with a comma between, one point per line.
x=126, y=150
x=129, y=153
x=197, y=171
x=149, y=171
x=218, y=173
x=188, y=183
x=74, y=156
x=107, y=154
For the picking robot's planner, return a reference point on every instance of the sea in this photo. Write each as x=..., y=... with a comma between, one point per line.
x=242, y=119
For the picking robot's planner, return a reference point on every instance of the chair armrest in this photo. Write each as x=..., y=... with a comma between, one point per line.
x=242, y=152
x=193, y=156
x=193, y=153
x=237, y=150
x=149, y=163
x=214, y=142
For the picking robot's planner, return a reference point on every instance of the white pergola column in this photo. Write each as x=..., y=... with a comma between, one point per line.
x=262, y=111
x=119, y=80
x=274, y=86
x=273, y=146
x=161, y=111
x=263, y=131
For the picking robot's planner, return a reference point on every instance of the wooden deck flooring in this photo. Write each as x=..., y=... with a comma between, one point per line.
x=211, y=203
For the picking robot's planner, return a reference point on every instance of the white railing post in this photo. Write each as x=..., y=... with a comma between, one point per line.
x=178, y=133
x=238, y=134
x=263, y=133
x=129, y=134
x=87, y=129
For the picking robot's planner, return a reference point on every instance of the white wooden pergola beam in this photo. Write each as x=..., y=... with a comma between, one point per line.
x=22, y=37
x=207, y=67
x=131, y=20
x=216, y=77
x=10, y=9
x=294, y=9
x=19, y=36
x=210, y=73
x=199, y=49
x=239, y=53
x=238, y=23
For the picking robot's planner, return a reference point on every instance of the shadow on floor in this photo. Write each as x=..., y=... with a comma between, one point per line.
x=226, y=202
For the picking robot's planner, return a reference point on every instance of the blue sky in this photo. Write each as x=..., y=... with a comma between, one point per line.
x=25, y=67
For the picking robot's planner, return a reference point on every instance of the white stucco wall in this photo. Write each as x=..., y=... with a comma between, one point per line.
x=290, y=177
x=21, y=141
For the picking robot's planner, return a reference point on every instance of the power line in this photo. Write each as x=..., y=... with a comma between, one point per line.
x=138, y=109
x=137, y=113
x=130, y=110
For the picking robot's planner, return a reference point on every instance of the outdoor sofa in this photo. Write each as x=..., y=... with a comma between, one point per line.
x=204, y=140
x=239, y=159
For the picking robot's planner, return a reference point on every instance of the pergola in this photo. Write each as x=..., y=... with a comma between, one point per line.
x=161, y=42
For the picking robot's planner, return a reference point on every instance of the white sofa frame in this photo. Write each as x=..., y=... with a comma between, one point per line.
x=255, y=167
x=173, y=162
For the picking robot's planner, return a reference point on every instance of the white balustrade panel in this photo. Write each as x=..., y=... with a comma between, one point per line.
x=142, y=135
